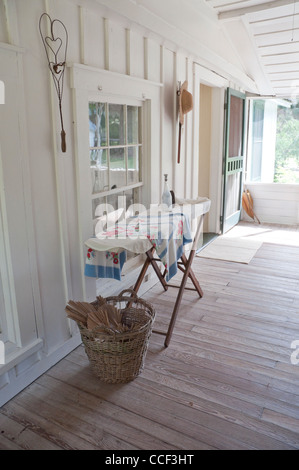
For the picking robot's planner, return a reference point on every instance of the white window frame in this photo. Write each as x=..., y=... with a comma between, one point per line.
x=92, y=84
x=142, y=170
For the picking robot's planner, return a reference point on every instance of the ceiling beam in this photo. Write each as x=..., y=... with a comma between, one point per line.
x=238, y=12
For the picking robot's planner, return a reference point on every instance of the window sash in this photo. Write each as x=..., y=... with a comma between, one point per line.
x=126, y=146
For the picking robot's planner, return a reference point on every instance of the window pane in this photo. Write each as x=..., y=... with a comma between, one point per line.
x=117, y=201
x=99, y=170
x=98, y=206
x=236, y=127
x=133, y=165
x=97, y=125
x=133, y=125
x=117, y=168
x=124, y=200
x=98, y=158
x=116, y=124
x=233, y=193
x=287, y=145
x=129, y=198
x=257, y=140
x=132, y=197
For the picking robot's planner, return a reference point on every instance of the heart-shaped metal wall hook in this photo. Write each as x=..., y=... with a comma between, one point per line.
x=55, y=41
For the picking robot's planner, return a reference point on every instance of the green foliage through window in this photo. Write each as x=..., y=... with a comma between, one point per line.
x=287, y=145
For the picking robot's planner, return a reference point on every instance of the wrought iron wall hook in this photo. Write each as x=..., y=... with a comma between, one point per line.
x=56, y=50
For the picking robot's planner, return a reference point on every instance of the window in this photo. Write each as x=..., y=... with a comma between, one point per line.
x=273, y=143
x=257, y=139
x=115, y=141
x=287, y=145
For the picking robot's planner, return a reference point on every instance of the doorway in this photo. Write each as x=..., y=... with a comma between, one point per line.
x=208, y=179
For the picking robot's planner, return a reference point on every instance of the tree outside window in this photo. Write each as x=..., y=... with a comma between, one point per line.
x=273, y=142
x=287, y=145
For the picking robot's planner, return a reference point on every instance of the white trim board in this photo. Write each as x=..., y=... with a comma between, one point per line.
x=33, y=365
x=90, y=83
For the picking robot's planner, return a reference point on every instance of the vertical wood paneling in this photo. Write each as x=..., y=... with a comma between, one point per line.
x=59, y=188
x=204, y=156
x=146, y=64
x=3, y=27
x=175, y=180
x=205, y=138
x=195, y=139
x=180, y=167
x=68, y=12
x=117, y=48
x=106, y=44
x=128, y=51
x=188, y=133
x=9, y=317
x=27, y=182
x=94, y=34
x=82, y=15
x=9, y=22
x=275, y=203
x=168, y=116
x=137, y=55
x=162, y=93
x=6, y=20
x=49, y=226
x=16, y=204
x=154, y=61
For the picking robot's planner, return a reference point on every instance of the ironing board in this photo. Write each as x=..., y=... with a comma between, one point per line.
x=190, y=211
x=194, y=209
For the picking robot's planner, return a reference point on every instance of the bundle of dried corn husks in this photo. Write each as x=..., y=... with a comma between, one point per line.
x=100, y=315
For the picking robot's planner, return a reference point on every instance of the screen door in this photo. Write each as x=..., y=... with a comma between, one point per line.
x=233, y=158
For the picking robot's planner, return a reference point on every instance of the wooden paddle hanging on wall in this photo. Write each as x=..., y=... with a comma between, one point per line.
x=185, y=105
x=247, y=204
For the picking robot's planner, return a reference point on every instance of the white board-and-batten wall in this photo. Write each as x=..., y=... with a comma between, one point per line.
x=41, y=244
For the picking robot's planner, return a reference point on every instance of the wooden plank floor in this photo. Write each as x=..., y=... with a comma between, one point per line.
x=225, y=382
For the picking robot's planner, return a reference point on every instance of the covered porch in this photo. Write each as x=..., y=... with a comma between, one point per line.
x=229, y=377
x=226, y=381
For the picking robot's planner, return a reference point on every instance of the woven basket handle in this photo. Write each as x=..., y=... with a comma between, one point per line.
x=134, y=296
x=129, y=291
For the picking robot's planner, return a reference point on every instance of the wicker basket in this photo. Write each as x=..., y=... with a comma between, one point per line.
x=119, y=357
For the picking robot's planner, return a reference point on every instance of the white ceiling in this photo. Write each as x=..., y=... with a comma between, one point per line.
x=273, y=30
x=254, y=43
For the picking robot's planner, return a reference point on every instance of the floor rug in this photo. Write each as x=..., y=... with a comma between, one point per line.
x=228, y=248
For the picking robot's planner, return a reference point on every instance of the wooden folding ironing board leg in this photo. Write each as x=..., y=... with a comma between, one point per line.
x=180, y=295
x=188, y=273
x=150, y=261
